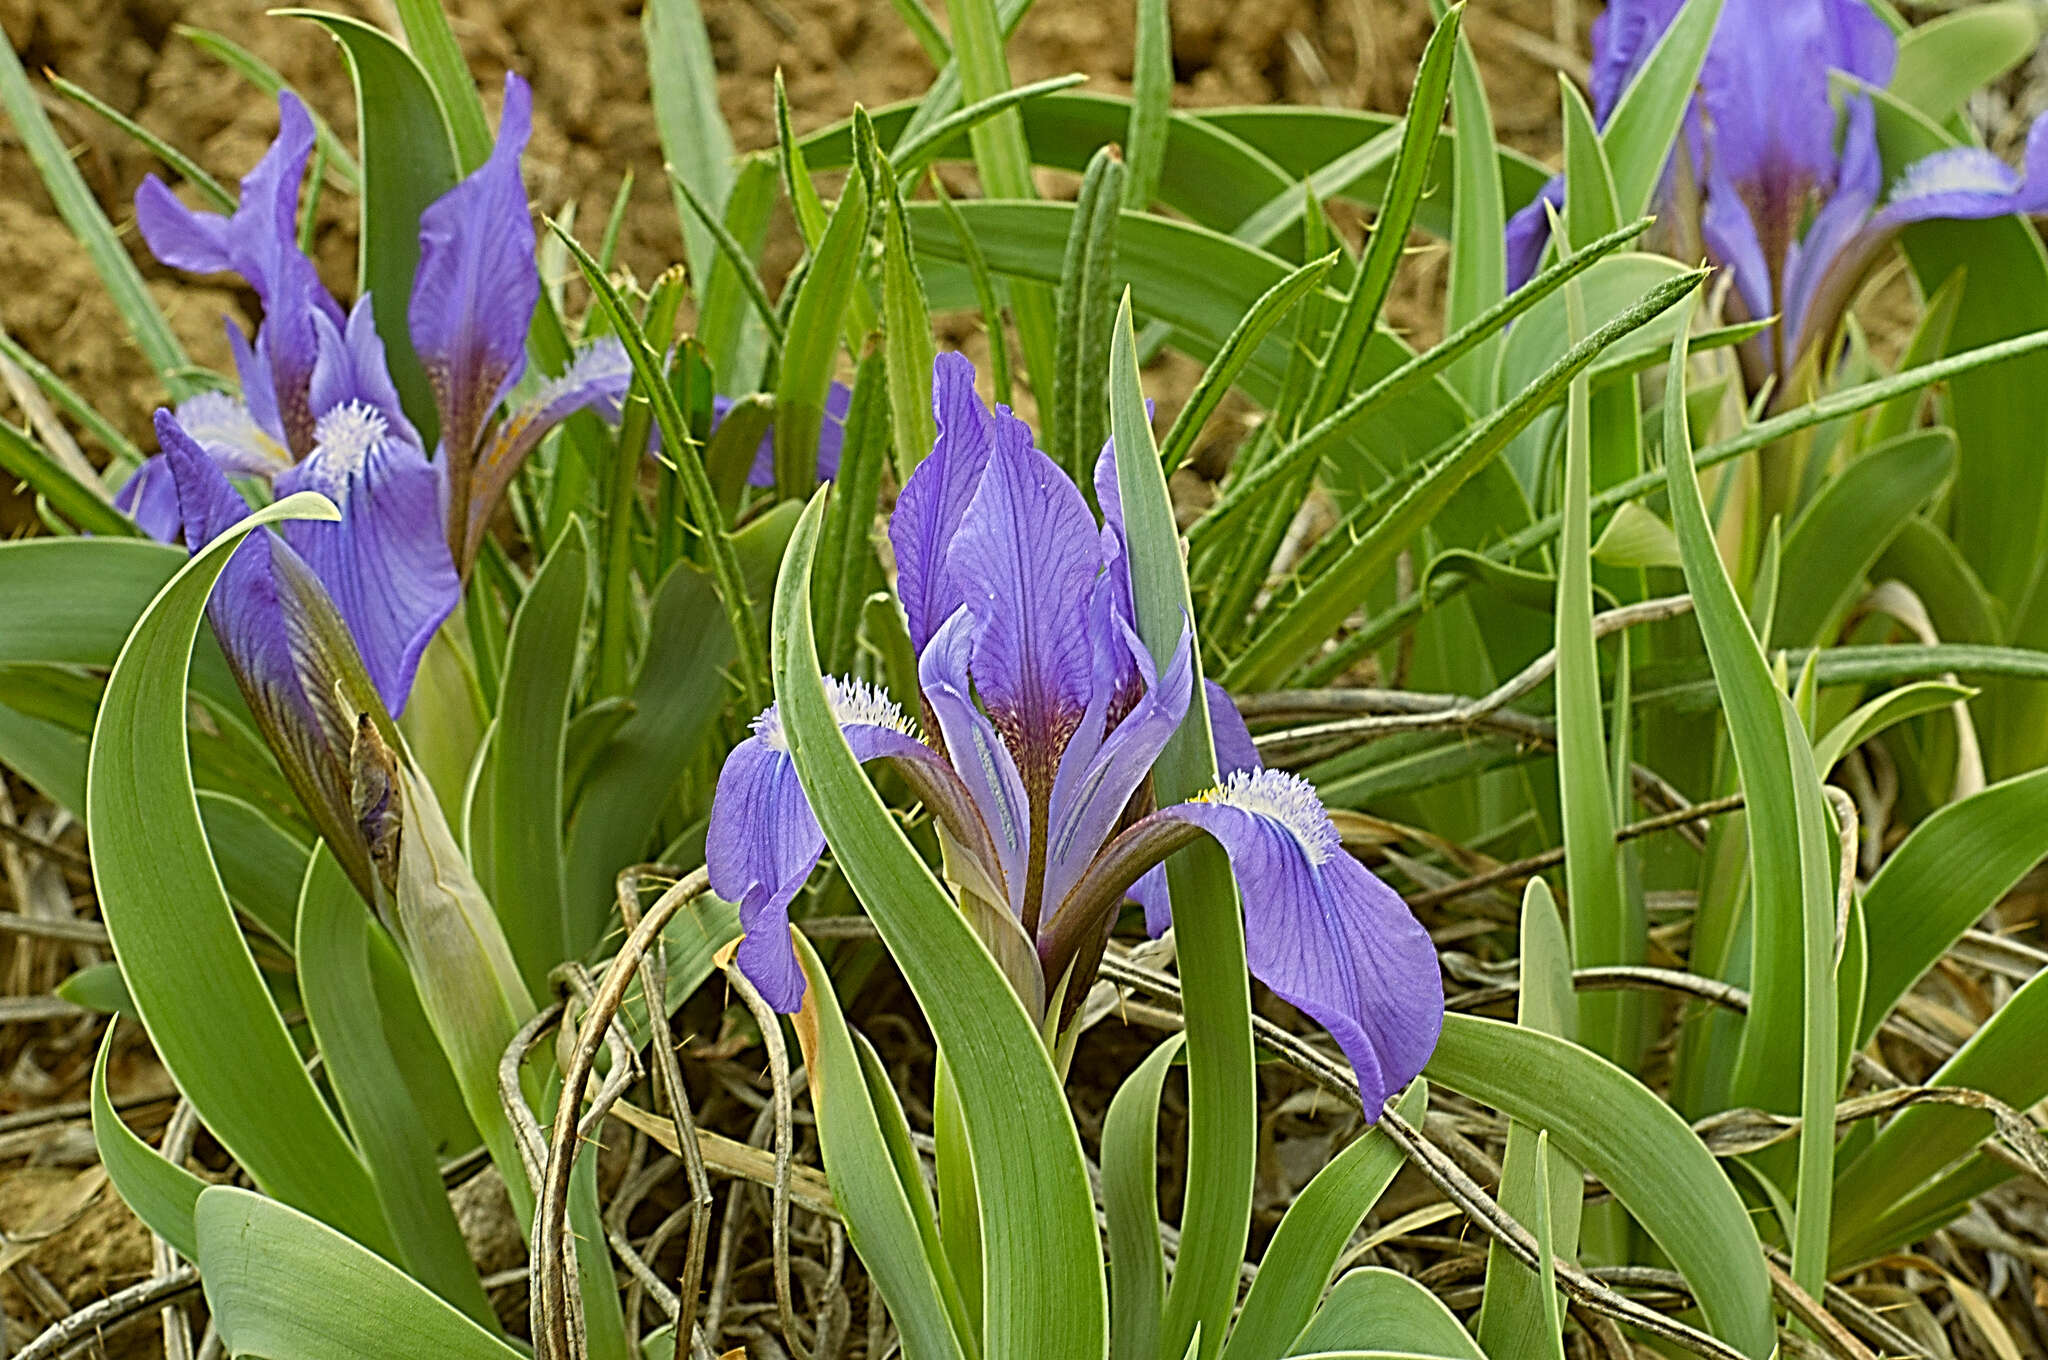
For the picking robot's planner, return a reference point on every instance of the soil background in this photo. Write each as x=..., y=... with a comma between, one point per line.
x=593, y=122
x=65, y=1240
x=70, y=1239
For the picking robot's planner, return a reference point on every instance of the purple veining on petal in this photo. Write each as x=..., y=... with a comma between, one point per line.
x=1026, y=555
x=1322, y=931
x=385, y=563
x=763, y=839
x=476, y=286
x=985, y=765
x=1096, y=780
x=350, y=367
x=934, y=500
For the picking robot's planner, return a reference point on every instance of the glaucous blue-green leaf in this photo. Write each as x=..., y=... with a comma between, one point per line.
x=1846, y=527
x=1389, y=1312
x=524, y=873
x=1637, y=1146
x=1207, y=918
x=1312, y=1236
x=408, y=162
x=282, y=1284
x=1044, y=1296
x=889, y=1223
x=207, y=1010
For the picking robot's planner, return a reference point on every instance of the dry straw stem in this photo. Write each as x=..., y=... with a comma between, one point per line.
x=88, y=1325
x=557, y=1329
x=670, y=1091
x=1385, y=712
x=1534, y=864
x=785, y=1141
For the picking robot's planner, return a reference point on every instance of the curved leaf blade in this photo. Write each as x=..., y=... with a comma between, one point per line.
x=188, y=967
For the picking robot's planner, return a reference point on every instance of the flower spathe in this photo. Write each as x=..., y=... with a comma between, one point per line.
x=286, y=644
x=318, y=407
x=1776, y=176
x=1048, y=713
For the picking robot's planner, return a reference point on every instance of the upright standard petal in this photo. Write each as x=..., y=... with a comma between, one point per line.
x=350, y=367
x=1322, y=931
x=1026, y=556
x=385, y=563
x=934, y=500
x=1235, y=753
x=1096, y=780
x=1528, y=232
x=763, y=840
x=260, y=242
x=1235, y=749
x=1764, y=88
x=252, y=242
x=1624, y=35
x=595, y=380
x=259, y=386
x=1829, y=236
x=476, y=287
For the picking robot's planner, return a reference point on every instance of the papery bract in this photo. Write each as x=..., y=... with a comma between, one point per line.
x=287, y=647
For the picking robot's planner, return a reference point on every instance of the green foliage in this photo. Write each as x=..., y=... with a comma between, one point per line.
x=1437, y=577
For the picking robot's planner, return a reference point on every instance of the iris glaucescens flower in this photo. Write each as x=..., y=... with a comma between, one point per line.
x=831, y=437
x=319, y=410
x=289, y=650
x=1771, y=179
x=1046, y=714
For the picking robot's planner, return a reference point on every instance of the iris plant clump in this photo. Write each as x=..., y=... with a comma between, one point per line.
x=319, y=410
x=1776, y=176
x=1045, y=713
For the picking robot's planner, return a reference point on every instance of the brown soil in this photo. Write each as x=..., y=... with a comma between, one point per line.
x=592, y=124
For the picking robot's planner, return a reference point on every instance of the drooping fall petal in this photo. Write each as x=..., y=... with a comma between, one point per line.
x=287, y=647
x=1322, y=931
x=763, y=839
x=229, y=433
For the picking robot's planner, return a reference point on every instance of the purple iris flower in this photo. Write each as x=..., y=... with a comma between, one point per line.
x=318, y=407
x=1046, y=714
x=286, y=640
x=831, y=436
x=1770, y=179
